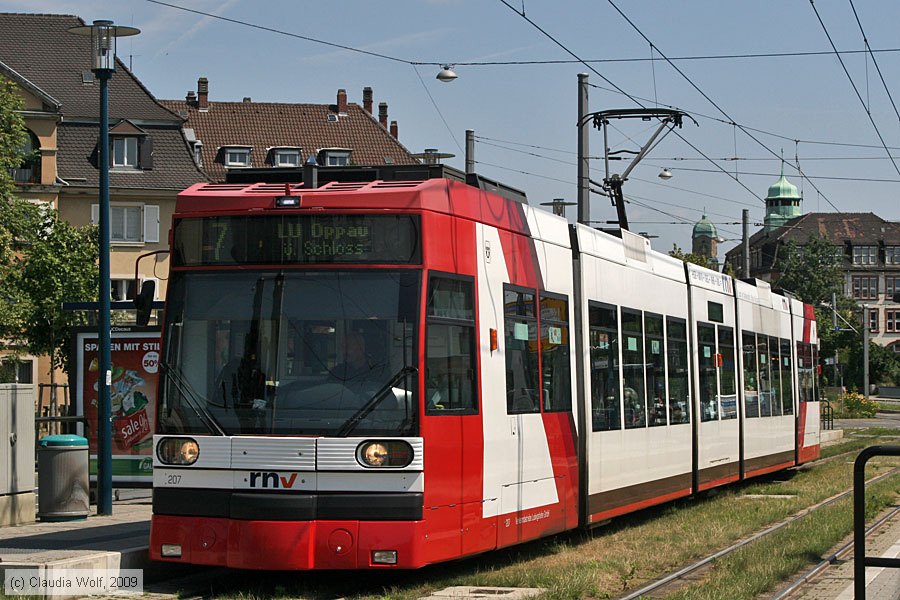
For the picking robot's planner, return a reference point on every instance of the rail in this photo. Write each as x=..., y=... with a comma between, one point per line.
x=827, y=415
x=860, y=560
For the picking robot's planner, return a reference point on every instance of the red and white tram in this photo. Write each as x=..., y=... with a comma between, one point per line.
x=389, y=374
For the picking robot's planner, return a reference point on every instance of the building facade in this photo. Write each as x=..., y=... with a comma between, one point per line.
x=867, y=246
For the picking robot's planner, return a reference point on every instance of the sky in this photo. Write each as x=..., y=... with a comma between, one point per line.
x=796, y=102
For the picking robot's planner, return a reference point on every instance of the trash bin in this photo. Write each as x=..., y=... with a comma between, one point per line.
x=63, y=492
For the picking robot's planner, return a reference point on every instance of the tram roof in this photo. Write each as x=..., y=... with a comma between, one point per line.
x=434, y=188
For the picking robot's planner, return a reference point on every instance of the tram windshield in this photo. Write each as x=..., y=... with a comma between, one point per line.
x=291, y=352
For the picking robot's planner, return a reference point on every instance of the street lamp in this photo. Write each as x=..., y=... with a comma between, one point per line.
x=446, y=74
x=103, y=36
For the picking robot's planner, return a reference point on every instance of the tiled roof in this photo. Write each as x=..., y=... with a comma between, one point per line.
x=265, y=125
x=173, y=169
x=837, y=228
x=40, y=48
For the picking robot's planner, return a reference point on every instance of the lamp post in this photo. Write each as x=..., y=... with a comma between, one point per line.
x=103, y=36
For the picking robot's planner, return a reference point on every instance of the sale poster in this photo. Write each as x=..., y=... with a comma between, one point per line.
x=134, y=376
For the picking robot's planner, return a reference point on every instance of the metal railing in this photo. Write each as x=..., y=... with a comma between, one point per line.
x=827, y=415
x=860, y=560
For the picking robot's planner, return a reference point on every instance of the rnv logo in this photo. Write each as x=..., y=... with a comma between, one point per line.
x=270, y=479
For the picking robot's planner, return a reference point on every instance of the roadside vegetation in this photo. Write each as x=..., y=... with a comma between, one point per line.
x=636, y=549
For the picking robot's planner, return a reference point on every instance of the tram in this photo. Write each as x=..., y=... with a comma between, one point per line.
x=388, y=371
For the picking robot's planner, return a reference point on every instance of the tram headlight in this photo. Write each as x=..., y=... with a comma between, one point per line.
x=178, y=451
x=384, y=453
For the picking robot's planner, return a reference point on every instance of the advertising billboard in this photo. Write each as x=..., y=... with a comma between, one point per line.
x=135, y=356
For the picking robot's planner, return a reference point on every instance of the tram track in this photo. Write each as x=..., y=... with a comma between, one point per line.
x=832, y=559
x=675, y=580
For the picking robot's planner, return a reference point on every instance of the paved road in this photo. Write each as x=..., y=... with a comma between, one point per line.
x=887, y=420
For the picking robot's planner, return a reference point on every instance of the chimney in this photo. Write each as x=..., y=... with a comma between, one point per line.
x=247, y=99
x=191, y=98
x=342, y=102
x=367, y=99
x=394, y=129
x=382, y=114
x=203, y=93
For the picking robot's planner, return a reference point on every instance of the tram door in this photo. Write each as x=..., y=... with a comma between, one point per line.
x=518, y=481
x=717, y=448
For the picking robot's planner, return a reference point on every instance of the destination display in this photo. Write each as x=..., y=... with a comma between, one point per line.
x=297, y=239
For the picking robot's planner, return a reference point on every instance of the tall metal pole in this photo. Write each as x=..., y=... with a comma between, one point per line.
x=470, y=151
x=745, y=242
x=103, y=36
x=584, y=169
x=865, y=351
x=104, y=408
x=838, y=384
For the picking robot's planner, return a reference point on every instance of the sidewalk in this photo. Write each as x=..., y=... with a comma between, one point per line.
x=118, y=541
x=836, y=583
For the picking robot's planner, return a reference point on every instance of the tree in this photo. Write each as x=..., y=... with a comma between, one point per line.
x=14, y=217
x=43, y=260
x=813, y=273
x=690, y=257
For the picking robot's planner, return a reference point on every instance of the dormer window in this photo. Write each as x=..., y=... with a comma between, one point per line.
x=125, y=152
x=130, y=147
x=285, y=157
x=237, y=156
x=334, y=157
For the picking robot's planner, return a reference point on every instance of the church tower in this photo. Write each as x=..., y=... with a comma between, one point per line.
x=782, y=203
x=705, y=241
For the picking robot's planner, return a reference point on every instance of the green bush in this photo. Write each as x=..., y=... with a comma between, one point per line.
x=858, y=406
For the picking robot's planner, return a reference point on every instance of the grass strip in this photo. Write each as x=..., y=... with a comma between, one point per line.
x=629, y=552
x=762, y=566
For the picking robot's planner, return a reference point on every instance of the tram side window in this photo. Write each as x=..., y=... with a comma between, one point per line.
x=709, y=404
x=450, y=346
x=521, y=346
x=555, y=360
x=727, y=373
x=775, y=373
x=655, y=351
x=679, y=391
x=765, y=381
x=635, y=400
x=604, y=339
x=804, y=371
x=751, y=375
x=787, y=381
x=814, y=373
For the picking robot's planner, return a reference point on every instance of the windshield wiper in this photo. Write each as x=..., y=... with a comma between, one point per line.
x=193, y=399
x=373, y=402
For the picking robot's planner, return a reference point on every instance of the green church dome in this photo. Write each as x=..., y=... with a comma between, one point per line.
x=783, y=190
x=704, y=227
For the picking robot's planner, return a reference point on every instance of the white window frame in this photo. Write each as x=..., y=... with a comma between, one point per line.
x=292, y=153
x=864, y=287
x=135, y=212
x=232, y=152
x=148, y=222
x=874, y=319
x=337, y=159
x=865, y=255
x=118, y=288
x=891, y=285
x=130, y=146
x=892, y=255
x=334, y=157
x=892, y=321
